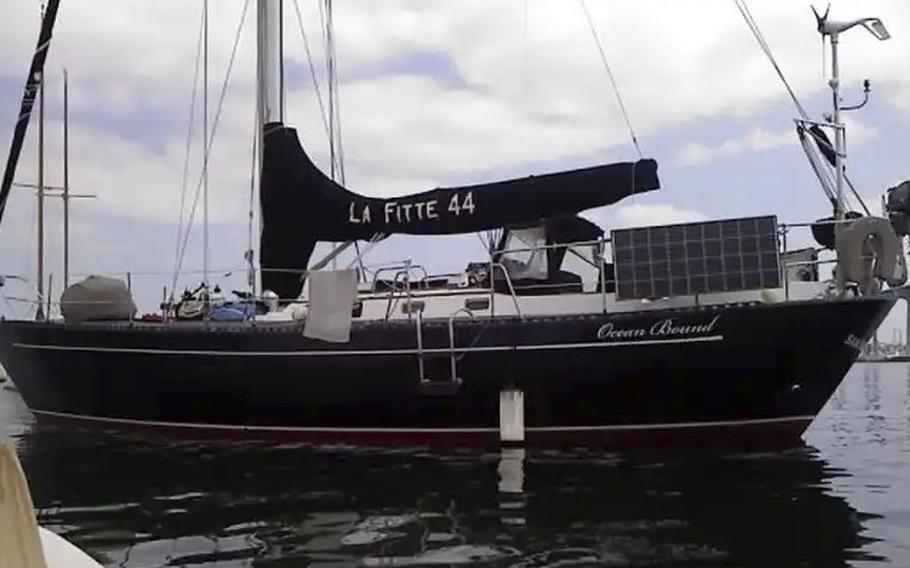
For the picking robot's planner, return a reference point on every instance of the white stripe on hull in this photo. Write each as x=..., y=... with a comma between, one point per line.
x=303, y=429
x=367, y=352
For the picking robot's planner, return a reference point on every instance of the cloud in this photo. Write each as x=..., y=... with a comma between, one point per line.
x=440, y=91
x=643, y=215
x=757, y=139
x=432, y=93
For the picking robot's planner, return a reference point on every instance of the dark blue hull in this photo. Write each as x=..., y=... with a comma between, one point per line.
x=755, y=373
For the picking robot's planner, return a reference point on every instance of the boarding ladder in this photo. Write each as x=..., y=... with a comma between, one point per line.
x=450, y=383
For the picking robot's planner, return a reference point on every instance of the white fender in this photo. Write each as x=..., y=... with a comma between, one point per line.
x=22, y=543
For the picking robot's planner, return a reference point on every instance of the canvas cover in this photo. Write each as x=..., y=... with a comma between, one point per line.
x=97, y=298
x=302, y=206
x=332, y=295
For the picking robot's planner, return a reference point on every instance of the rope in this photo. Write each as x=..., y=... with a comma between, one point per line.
x=211, y=139
x=186, y=160
x=606, y=64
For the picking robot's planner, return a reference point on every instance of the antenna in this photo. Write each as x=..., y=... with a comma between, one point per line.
x=833, y=29
x=820, y=26
x=820, y=20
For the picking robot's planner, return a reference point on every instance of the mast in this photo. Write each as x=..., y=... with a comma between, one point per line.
x=839, y=157
x=205, y=145
x=66, y=183
x=268, y=62
x=269, y=100
x=34, y=78
x=39, y=313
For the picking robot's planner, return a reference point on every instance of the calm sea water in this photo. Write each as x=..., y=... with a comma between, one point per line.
x=842, y=500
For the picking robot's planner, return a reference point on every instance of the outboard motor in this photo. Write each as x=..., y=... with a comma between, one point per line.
x=897, y=204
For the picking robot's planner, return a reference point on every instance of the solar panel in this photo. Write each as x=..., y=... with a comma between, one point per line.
x=694, y=258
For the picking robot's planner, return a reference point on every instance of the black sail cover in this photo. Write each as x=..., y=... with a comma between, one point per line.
x=302, y=206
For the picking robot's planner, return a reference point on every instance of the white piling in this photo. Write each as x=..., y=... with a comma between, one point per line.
x=511, y=416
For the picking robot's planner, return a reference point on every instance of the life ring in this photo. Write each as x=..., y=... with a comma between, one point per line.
x=868, y=249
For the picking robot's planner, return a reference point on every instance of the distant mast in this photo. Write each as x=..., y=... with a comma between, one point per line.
x=39, y=312
x=66, y=183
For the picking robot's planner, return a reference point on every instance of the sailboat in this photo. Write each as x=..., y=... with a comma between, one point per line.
x=697, y=333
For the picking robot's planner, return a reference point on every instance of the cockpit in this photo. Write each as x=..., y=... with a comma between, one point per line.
x=532, y=260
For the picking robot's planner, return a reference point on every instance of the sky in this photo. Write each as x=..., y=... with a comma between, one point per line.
x=437, y=93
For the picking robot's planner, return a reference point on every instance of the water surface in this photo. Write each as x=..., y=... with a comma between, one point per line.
x=842, y=500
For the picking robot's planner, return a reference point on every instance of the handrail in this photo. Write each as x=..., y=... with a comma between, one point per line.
x=554, y=245
x=406, y=265
x=603, y=276
x=419, y=325
x=453, y=362
x=508, y=282
x=406, y=275
x=814, y=223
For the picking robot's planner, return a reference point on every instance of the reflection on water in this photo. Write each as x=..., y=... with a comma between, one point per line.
x=133, y=502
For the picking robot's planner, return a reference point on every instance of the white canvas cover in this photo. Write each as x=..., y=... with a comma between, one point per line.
x=332, y=295
x=97, y=298
x=531, y=260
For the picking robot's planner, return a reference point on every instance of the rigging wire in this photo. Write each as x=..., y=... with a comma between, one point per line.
x=186, y=160
x=309, y=57
x=281, y=86
x=524, y=46
x=339, y=143
x=250, y=255
x=606, y=64
x=333, y=117
x=334, y=102
x=820, y=167
x=336, y=148
x=759, y=36
x=205, y=138
x=214, y=129
x=323, y=19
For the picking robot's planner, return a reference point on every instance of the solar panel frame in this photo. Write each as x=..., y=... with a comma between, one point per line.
x=725, y=255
